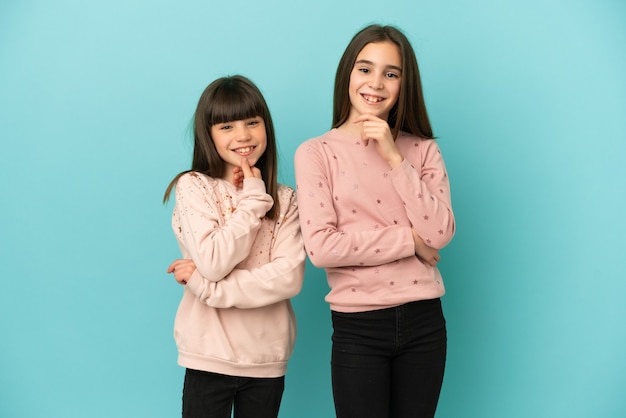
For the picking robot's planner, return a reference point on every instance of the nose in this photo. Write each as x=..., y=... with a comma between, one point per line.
x=376, y=82
x=243, y=134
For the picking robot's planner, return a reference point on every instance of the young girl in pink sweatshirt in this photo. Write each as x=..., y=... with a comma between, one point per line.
x=375, y=209
x=243, y=259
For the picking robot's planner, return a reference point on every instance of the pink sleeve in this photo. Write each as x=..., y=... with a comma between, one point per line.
x=426, y=195
x=216, y=249
x=326, y=245
x=272, y=282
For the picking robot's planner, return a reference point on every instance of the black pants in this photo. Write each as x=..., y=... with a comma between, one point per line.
x=212, y=395
x=389, y=363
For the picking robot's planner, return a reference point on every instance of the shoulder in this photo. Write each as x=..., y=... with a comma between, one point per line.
x=413, y=139
x=314, y=143
x=193, y=177
x=193, y=182
x=286, y=193
x=287, y=198
x=319, y=151
x=413, y=143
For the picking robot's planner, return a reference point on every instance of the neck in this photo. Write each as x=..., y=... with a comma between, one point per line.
x=350, y=129
x=228, y=174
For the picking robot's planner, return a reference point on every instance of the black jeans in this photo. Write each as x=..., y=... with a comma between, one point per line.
x=389, y=363
x=213, y=395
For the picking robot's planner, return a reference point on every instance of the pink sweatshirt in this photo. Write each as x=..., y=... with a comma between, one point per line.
x=235, y=317
x=356, y=216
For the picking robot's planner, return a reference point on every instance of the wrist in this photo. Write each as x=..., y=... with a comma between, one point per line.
x=395, y=161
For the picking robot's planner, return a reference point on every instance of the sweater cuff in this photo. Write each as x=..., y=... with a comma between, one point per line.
x=195, y=283
x=404, y=165
x=254, y=184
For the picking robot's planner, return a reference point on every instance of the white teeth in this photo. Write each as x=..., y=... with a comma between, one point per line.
x=244, y=150
x=373, y=99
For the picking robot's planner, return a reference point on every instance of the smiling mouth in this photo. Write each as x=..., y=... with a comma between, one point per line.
x=372, y=99
x=244, y=150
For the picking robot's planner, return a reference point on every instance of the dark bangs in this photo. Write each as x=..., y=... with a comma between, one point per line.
x=234, y=101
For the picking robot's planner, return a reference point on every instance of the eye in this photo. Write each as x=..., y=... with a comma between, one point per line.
x=225, y=127
x=392, y=75
x=364, y=70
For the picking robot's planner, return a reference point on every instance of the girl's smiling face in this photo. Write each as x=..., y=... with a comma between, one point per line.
x=239, y=139
x=375, y=80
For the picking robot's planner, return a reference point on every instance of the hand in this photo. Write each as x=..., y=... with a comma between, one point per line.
x=376, y=129
x=425, y=253
x=182, y=269
x=244, y=172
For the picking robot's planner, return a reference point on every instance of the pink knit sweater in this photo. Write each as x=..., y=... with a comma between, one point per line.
x=235, y=317
x=357, y=214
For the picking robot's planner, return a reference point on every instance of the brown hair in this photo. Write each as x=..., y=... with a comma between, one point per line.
x=224, y=100
x=409, y=113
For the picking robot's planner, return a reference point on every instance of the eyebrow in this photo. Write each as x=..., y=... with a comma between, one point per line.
x=393, y=67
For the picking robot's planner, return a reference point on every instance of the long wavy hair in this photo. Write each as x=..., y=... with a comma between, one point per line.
x=229, y=99
x=409, y=113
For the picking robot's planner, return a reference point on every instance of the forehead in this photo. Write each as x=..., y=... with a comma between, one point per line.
x=381, y=53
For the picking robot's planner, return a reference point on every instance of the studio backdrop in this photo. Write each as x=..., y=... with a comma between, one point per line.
x=528, y=103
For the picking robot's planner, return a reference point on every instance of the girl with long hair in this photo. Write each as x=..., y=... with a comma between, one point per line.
x=375, y=209
x=242, y=259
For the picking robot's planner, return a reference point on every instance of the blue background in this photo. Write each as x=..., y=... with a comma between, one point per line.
x=528, y=100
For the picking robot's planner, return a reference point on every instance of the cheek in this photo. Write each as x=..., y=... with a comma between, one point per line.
x=260, y=150
x=395, y=92
x=263, y=148
x=354, y=82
